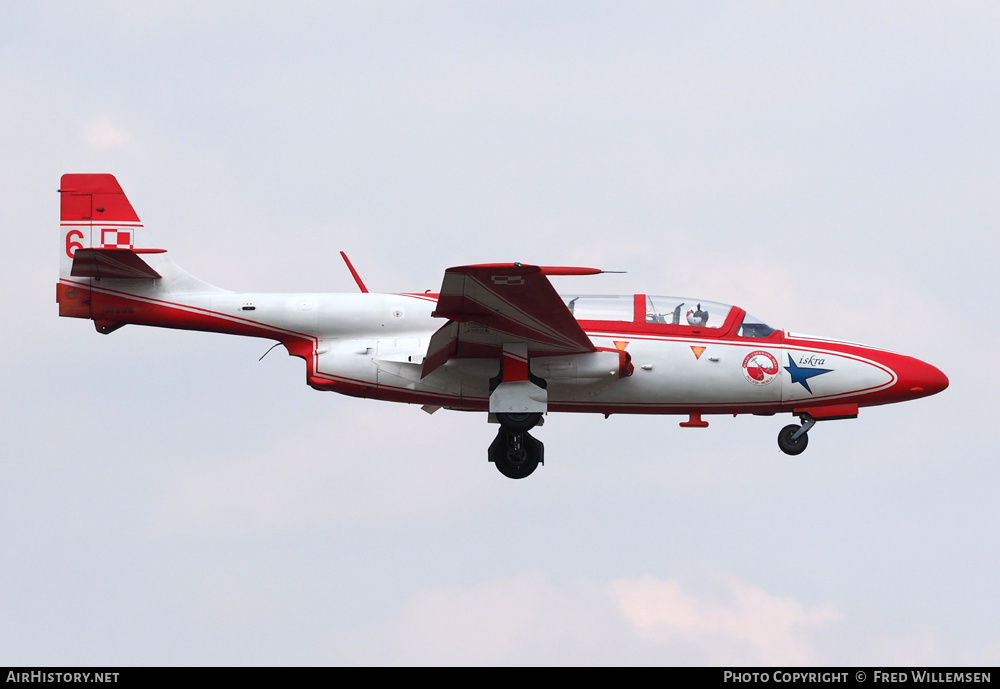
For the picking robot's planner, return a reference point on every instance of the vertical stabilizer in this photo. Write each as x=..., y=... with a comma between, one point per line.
x=94, y=213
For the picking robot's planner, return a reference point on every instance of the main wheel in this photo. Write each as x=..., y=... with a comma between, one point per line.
x=516, y=454
x=789, y=446
x=519, y=422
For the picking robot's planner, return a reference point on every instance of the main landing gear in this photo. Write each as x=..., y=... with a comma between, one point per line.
x=792, y=439
x=514, y=451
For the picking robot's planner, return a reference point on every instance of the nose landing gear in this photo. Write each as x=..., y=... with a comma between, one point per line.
x=792, y=439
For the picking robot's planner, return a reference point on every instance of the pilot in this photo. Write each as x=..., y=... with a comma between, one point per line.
x=696, y=316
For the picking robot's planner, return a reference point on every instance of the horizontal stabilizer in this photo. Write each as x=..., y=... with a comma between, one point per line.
x=110, y=263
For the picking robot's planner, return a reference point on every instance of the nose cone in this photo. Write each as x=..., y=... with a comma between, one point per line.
x=920, y=379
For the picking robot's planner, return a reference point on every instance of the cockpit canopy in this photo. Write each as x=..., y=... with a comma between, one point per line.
x=682, y=311
x=754, y=327
x=601, y=307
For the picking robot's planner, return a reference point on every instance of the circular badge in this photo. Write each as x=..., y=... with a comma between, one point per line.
x=760, y=367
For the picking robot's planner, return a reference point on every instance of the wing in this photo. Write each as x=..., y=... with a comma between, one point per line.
x=489, y=305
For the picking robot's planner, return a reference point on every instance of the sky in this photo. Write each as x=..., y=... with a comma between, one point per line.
x=832, y=167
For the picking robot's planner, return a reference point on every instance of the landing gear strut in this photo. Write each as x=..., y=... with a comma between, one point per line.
x=792, y=439
x=517, y=398
x=514, y=451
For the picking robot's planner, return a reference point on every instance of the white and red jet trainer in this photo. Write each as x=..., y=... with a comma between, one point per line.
x=497, y=339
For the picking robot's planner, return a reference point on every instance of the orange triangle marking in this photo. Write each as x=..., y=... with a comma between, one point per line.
x=698, y=351
x=621, y=344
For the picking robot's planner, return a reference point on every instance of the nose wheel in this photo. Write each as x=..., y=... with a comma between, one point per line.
x=793, y=439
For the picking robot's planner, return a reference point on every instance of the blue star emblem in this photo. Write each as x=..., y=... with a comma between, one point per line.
x=802, y=375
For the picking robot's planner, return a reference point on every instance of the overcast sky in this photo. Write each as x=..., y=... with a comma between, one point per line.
x=833, y=168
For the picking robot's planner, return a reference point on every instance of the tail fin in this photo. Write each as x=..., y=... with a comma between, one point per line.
x=94, y=213
x=98, y=229
x=101, y=238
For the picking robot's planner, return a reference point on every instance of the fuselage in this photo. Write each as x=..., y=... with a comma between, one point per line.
x=373, y=345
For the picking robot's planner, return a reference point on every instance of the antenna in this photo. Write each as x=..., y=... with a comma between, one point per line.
x=354, y=273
